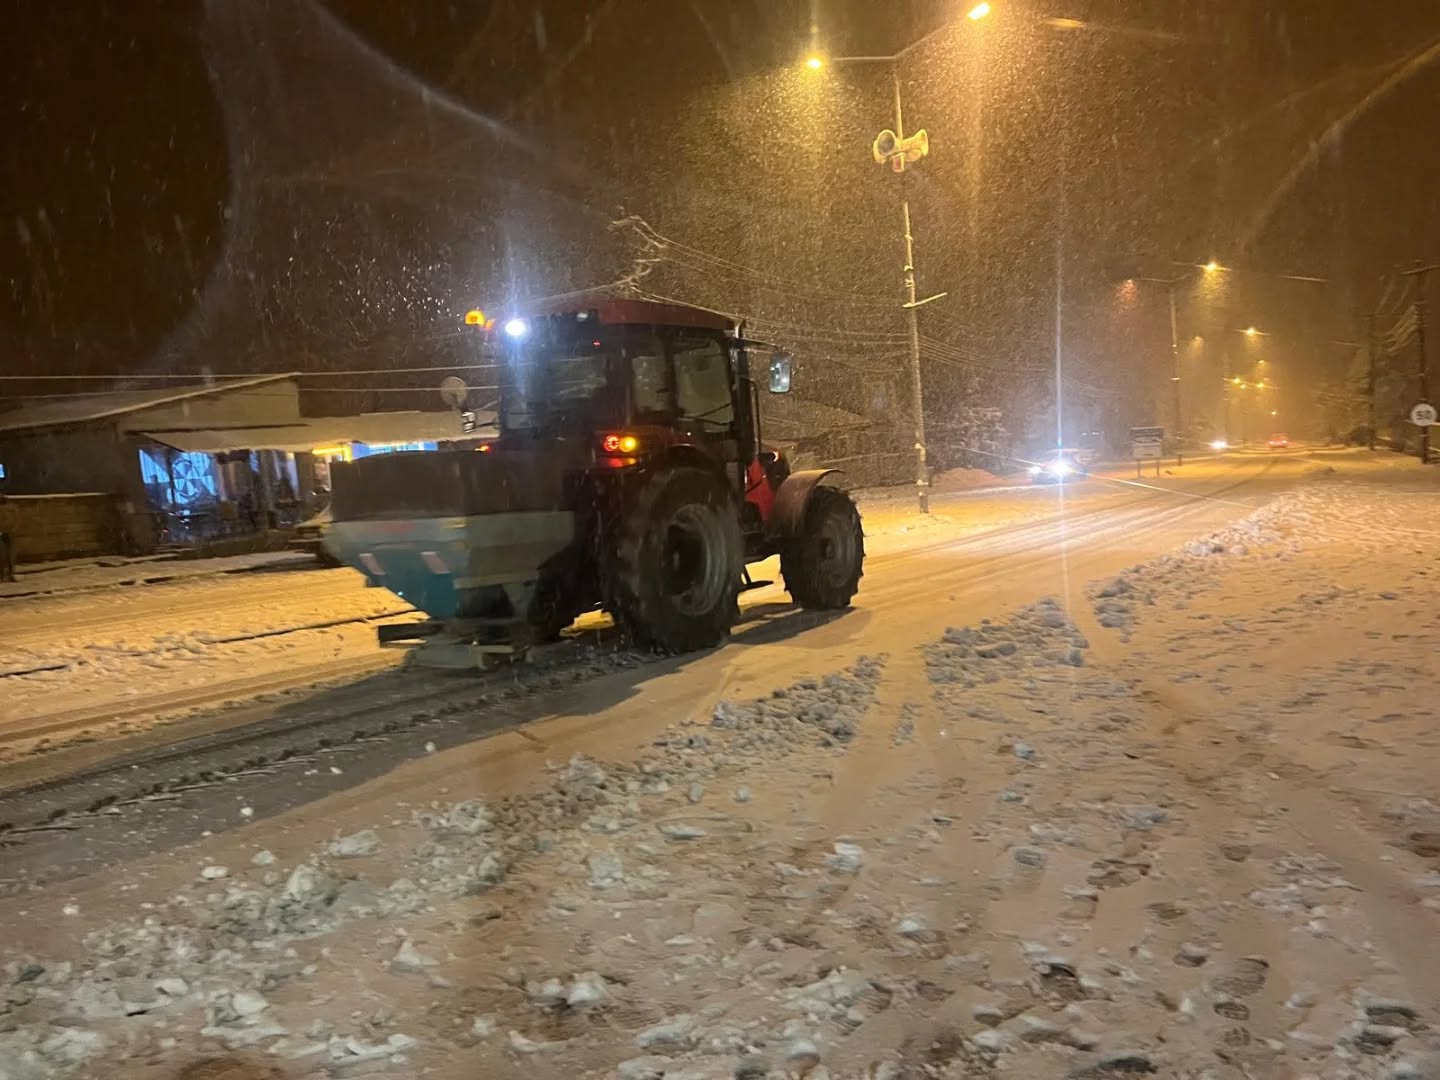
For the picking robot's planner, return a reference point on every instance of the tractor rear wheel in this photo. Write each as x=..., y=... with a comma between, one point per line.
x=822, y=566
x=677, y=562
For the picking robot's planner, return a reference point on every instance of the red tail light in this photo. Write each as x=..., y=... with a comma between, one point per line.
x=619, y=444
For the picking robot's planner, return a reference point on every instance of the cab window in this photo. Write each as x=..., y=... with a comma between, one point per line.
x=650, y=394
x=702, y=381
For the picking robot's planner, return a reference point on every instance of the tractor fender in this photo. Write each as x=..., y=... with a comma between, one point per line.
x=682, y=455
x=788, y=517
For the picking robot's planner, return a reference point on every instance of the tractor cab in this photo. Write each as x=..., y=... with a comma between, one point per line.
x=626, y=383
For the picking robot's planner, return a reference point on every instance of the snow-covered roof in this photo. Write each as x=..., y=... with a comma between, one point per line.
x=88, y=408
x=318, y=431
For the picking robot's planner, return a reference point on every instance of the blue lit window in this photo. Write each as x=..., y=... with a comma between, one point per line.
x=178, y=478
x=360, y=450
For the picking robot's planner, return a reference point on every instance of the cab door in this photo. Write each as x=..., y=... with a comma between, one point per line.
x=704, y=392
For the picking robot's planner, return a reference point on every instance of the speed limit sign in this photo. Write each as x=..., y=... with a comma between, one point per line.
x=1423, y=415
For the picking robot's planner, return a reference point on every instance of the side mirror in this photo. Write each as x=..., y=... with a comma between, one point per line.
x=780, y=365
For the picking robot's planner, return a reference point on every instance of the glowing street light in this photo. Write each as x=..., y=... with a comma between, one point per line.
x=1211, y=266
x=1126, y=292
x=892, y=148
x=1250, y=331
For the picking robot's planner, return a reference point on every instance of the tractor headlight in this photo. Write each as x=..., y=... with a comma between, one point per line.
x=517, y=328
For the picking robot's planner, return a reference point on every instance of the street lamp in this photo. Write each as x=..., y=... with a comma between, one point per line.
x=1170, y=284
x=898, y=151
x=1212, y=267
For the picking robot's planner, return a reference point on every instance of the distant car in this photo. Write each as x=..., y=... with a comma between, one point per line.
x=1059, y=466
x=309, y=536
x=1279, y=442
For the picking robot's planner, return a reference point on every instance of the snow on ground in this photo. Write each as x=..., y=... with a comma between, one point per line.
x=117, y=660
x=1030, y=849
x=82, y=574
x=140, y=654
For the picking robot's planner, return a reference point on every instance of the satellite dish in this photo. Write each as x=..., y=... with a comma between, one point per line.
x=454, y=391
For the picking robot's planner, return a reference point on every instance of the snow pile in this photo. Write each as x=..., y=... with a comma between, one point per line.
x=218, y=952
x=1037, y=636
x=1270, y=532
x=834, y=705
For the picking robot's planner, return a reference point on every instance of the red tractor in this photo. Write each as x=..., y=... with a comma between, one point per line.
x=628, y=474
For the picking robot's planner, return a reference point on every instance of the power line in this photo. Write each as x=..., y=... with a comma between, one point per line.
x=940, y=353
x=770, y=287
x=654, y=237
x=814, y=335
x=380, y=389
x=202, y=375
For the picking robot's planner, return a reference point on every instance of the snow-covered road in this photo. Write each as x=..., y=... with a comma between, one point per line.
x=100, y=663
x=1182, y=819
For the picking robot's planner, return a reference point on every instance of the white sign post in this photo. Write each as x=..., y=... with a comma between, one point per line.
x=1147, y=443
x=1424, y=415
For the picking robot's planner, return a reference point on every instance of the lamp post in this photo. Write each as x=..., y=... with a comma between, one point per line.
x=895, y=149
x=1422, y=274
x=1170, y=284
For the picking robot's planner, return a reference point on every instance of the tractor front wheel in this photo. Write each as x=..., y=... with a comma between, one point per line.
x=677, y=562
x=822, y=566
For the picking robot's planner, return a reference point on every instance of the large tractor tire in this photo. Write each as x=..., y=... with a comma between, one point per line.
x=822, y=566
x=677, y=562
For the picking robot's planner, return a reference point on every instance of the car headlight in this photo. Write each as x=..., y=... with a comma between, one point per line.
x=1219, y=444
x=1033, y=470
x=1060, y=468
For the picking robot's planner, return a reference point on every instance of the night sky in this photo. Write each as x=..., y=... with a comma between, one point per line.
x=240, y=185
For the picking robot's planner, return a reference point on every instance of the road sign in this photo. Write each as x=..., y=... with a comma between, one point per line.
x=1146, y=442
x=1423, y=415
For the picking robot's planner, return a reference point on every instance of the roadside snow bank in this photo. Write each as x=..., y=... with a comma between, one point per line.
x=207, y=962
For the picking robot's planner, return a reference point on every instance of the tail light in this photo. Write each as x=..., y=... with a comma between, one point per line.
x=619, y=444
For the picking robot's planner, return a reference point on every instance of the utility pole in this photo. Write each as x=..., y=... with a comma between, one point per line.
x=1170, y=284
x=1229, y=390
x=917, y=394
x=1370, y=381
x=1421, y=274
x=894, y=149
x=1175, y=376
